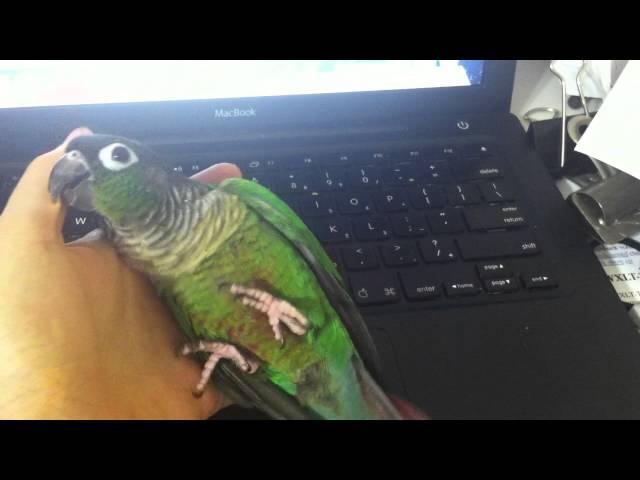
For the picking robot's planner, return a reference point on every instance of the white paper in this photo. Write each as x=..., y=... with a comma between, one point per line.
x=622, y=266
x=613, y=137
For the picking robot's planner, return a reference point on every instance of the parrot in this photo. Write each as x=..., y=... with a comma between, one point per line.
x=260, y=303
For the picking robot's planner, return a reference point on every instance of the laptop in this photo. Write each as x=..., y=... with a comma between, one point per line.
x=474, y=276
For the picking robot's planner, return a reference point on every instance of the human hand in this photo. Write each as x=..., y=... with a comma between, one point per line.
x=81, y=334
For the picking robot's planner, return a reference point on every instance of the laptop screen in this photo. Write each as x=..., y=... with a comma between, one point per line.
x=46, y=83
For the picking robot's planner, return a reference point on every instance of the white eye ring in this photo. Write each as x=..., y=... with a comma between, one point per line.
x=117, y=156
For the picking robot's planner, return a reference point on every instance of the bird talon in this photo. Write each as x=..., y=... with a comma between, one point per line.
x=197, y=393
x=217, y=351
x=278, y=311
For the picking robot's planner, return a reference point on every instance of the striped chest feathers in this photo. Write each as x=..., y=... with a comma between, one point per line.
x=176, y=235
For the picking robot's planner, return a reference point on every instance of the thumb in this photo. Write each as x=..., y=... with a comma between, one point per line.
x=30, y=209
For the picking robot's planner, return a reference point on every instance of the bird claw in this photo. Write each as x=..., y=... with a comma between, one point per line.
x=279, y=311
x=217, y=351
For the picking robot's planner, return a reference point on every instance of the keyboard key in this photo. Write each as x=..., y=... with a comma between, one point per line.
x=402, y=174
x=462, y=287
x=331, y=230
x=371, y=289
x=447, y=151
x=437, y=172
x=493, y=269
x=295, y=181
x=478, y=246
x=374, y=227
x=501, y=285
x=290, y=200
x=477, y=150
x=464, y=195
x=334, y=255
x=304, y=161
x=436, y=250
x=354, y=203
x=264, y=179
x=478, y=169
x=316, y=206
x=344, y=159
x=403, y=156
x=373, y=157
x=191, y=168
x=409, y=225
x=360, y=258
x=539, y=280
x=490, y=218
x=417, y=286
x=399, y=254
x=77, y=224
x=495, y=192
x=448, y=220
x=257, y=164
x=427, y=197
x=391, y=201
x=330, y=179
x=364, y=177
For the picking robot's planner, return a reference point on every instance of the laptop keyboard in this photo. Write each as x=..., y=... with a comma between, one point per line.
x=439, y=225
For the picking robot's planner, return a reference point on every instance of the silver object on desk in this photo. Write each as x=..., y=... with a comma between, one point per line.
x=577, y=124
x=554, y=70
x=611, y=207
x=530, y=114
x=611, y=204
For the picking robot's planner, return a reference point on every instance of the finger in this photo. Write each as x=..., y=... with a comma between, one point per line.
x=30, y=207
x=218, y=173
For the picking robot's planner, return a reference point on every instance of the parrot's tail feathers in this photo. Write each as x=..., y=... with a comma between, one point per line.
x=379, y=405
x=382, y=406
x=407, y=410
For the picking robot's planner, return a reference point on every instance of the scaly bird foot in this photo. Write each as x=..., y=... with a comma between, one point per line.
x=218, y=350
x=278, y=311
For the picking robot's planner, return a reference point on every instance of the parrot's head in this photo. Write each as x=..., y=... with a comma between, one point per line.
x=104, y=172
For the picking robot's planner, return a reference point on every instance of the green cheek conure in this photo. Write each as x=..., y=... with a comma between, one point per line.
x=251, y=287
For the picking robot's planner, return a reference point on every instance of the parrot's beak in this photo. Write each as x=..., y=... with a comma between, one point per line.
x=70, y=180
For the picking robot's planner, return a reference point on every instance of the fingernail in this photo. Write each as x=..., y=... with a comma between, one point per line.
x=78, y=132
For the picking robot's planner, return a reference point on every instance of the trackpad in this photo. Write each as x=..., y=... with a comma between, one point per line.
x=390, y=370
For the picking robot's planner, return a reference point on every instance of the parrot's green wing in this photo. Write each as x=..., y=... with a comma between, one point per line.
x=247, y=390
x=275, y=212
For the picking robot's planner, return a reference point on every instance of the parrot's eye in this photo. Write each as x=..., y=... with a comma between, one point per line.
x=117, y=156
x=120, y=154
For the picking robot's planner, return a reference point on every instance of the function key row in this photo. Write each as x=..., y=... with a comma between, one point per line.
x=441, y=152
